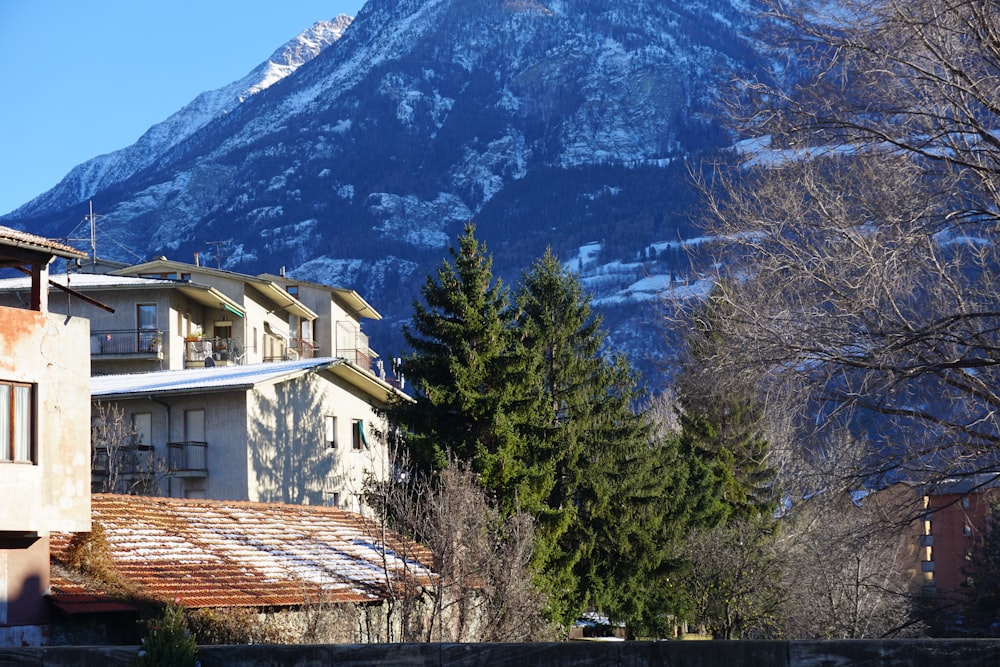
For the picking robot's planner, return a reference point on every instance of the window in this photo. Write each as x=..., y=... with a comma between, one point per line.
x=358, y=439
x=142, y=428
x=965, y=502
x=331, y=431
x=967, y=529
x=17, y=422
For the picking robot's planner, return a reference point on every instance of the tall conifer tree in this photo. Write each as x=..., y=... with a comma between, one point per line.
x=468, y=375
x=598, y=531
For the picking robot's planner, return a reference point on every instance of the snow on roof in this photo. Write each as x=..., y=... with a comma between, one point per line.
x=19, y=239
x=228, y=553
x=217, y=378
x=88, y=280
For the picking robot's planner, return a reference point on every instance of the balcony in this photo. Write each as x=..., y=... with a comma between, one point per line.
x=206, y=352
x=127, y=343
x=278, y=348
x=301, y=348
x=123, y=469
x=187, y=459
x=352, y=345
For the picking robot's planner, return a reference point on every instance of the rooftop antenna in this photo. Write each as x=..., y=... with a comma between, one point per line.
x=218, y=251
x=92, y=219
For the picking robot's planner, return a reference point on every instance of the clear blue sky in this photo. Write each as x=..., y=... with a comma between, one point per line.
x=79, y=78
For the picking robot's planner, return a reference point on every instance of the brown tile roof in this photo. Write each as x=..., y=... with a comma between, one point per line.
x=74, y=597
x=225, y=554
x=14, y=237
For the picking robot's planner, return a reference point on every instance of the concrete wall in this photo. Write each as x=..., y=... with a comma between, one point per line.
x=290, y=459
x=902, y=653
x=51, y=352
x=269, y=444
x=225, y=433
x=51, y=493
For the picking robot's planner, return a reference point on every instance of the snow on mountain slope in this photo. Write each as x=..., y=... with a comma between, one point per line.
x=101, y=172
x=549, y=123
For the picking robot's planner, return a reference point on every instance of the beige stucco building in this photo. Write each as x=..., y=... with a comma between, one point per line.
x=301, y=431
x=44, y=444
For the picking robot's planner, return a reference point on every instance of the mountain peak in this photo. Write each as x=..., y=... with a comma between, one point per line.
x=105, y=171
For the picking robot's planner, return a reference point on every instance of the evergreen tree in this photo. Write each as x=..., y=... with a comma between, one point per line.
x=468, y=375
x=601, y=479
x=722, y=436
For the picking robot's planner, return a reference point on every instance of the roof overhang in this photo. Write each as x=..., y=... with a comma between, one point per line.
x=211, y=297
x=19, y=248
x=364, y=381
x=356, y=302
x=275, y=293
x=348, y=298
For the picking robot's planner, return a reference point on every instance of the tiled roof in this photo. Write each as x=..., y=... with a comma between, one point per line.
x=14, y=237
x=74, y=597
x=203, y=379
x=228, y=554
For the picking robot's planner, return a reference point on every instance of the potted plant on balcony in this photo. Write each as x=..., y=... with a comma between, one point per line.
x=194, y=335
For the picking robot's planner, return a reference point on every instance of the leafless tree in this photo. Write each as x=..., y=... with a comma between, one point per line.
x=861, y=235
x=483, y=590
x=849, y=570
x=120, y=463
x=734, y=577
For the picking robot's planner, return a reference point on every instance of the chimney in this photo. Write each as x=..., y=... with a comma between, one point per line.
x=281, y=272
x=197, y=258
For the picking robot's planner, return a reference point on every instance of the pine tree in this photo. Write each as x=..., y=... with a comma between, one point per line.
x=722, y=436
x=591, y=449
x=468, y=374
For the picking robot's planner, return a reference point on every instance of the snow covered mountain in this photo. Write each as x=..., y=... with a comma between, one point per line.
x=562, y=123
x=105, y=171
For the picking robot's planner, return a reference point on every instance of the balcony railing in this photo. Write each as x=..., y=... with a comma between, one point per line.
x=279, y=348
x=123, y=469
x=123, y=460
x=187, y=459
x=126, y=342
x=212, y=352
x=303, y=348
x=352, y=345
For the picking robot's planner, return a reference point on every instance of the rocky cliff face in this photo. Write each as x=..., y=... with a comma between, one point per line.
x=564, y=123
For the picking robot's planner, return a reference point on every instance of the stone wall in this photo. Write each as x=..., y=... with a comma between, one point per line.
x=874, y=653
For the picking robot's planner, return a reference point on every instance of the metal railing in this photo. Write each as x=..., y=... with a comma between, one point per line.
x=187, y=458
x=123, y=460
x=305, y=349
x=224, y=351
x=126, y=342
x=353, y=345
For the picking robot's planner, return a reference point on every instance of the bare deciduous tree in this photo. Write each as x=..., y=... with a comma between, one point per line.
x=862, y=256
x=120, y=463
x=734, y=577
x=849, y=569
x=483, y=590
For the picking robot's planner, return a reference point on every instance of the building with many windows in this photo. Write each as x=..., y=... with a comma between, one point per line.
x=305, y=431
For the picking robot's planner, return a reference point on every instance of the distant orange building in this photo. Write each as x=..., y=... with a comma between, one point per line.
x=957, y=514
